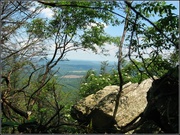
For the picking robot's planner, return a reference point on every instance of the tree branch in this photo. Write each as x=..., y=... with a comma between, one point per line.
x=16, y=110
x=120, y=64
x=158, y=29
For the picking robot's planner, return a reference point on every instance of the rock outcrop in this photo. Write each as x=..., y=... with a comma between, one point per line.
x=163, y=102
x=98, y=108
x=148, y=107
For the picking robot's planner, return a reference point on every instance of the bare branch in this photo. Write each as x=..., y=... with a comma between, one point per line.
x=120, y=64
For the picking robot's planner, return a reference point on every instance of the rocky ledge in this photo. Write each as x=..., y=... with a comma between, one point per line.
x=148, y=107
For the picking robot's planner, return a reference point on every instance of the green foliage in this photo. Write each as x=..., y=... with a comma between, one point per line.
x=132, y=72
x=71, y=23
x=93, y=81
x=154, y=41
x=151, y=8
x=95, y=35
x=151, y=67
x=82, y=24
x=38, y=28
x=39, y=91
x=104, y=65
x=167, y=23
x=8, y=126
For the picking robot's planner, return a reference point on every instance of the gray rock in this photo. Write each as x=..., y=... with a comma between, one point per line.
x=150, y=107
x=163, y=102
x=98, y=108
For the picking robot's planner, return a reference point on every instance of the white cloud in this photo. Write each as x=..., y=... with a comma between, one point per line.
x=105, y=25
x=89, y=25
x=32, y=9
x=47, y=13
x=44, y=12
x=89, y=55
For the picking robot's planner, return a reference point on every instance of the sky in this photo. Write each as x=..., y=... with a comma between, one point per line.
x=111, y=30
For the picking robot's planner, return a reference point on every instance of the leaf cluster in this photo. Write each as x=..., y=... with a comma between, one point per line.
x=167, y=24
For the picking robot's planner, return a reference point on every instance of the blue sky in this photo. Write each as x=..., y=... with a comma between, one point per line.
x=113, y=31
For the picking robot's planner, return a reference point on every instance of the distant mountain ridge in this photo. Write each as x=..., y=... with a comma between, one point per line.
x=80, y=67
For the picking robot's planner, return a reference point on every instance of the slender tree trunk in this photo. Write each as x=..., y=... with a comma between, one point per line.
x=120, y=63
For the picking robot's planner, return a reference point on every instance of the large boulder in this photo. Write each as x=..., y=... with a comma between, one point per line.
x=161, y=114
x=148, y=107
x=98, y=108
x=163, y=102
